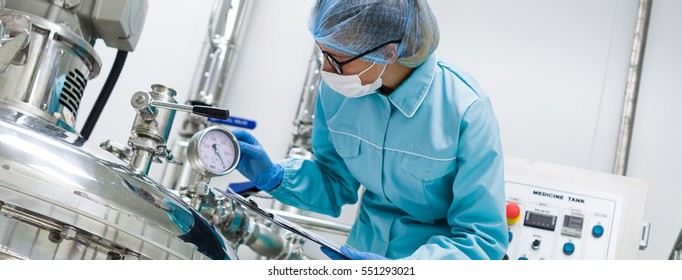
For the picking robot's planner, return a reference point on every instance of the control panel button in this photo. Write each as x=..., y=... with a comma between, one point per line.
x=536, y=244
x=513, y=213
x=597, y=231
x=569, y=248
x=523, y=258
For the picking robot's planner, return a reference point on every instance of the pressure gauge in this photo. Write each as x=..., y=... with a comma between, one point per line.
x=213, y=152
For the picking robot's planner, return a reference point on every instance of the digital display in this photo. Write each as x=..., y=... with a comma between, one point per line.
x=573, y=226
x=573, y=222
x=541, y=221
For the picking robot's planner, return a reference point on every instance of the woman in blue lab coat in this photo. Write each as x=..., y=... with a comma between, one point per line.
x=419, y=134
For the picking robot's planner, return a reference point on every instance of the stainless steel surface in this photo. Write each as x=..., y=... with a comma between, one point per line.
x=47, y=78
x=225, y=35
x=241, y=227
x=313, y=223
x=172, y=106
x=632, y=87
x=151, y=128
x=48, y=185
x=159, y=128
x=277, y=220
x=176, y=176
x=15, y=31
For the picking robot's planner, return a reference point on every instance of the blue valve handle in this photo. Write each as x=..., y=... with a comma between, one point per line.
x=244, y=188
x=234, y=121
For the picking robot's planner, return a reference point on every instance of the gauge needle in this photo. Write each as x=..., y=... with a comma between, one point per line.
x=215, y=148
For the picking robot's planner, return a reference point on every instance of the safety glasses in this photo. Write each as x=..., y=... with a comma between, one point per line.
x=338, y=65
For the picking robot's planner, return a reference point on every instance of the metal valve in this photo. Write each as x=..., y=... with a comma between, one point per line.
x=151, y=127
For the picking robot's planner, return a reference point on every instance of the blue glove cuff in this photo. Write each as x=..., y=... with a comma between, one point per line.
x=275, y=178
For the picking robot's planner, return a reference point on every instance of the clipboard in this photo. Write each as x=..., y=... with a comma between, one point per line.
x=284, y=223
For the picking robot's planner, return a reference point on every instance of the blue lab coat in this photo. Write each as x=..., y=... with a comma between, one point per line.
x=430, y=159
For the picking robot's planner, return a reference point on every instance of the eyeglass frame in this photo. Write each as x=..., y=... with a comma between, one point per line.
x=338, y=65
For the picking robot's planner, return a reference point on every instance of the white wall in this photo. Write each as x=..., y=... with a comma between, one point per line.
x=555, y=71
x=656, y=153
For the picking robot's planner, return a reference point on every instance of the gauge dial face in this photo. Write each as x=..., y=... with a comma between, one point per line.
x=217, y=151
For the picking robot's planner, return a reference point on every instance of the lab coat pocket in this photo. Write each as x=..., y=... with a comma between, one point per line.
x=427, y=169
x=347, y=146
x=435, y=177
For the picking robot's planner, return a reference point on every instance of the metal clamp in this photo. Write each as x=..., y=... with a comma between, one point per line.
x=118, y=150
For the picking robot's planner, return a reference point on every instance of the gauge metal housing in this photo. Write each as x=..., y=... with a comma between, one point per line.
x=193, y=152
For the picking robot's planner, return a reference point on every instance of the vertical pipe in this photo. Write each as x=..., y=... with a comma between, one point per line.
x=632, y=87
x=301, y=146
x=225, y=33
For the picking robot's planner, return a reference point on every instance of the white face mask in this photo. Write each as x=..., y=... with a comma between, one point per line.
x=351, y=85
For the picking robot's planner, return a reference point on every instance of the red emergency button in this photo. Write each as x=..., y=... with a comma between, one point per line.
x=513, y=213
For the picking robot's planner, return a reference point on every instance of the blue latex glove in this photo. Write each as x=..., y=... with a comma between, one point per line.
x=255, y=164
x=350, y=253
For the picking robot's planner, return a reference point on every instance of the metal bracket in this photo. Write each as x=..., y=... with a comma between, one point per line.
x=644, y=241
x=11, y=47
x=118, y=150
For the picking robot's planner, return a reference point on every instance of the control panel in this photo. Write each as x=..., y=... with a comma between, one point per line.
x=557, y=212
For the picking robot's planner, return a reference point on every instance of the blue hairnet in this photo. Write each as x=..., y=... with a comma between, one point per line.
x=352, y=27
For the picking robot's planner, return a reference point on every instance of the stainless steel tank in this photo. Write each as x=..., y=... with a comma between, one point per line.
x=58, y=201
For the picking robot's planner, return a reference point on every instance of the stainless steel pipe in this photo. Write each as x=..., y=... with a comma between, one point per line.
x=632, y=87
x=225, y=34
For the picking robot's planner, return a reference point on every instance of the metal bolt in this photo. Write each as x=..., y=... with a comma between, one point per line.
x=68, y=232
x=54, y=236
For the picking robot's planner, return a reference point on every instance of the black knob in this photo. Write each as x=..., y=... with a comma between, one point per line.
x=536, y=244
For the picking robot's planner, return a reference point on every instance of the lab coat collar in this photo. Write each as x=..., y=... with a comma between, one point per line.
x=409, y=96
